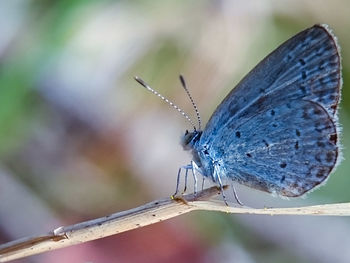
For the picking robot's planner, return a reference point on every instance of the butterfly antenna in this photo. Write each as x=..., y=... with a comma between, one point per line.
x=192, y=101
x=145, y=85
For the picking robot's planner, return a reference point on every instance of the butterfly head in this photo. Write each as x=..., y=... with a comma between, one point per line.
x=190, y=139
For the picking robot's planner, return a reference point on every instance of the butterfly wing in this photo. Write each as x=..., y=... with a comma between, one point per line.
x=309, y=62
x=286, y=149
x=276, y=131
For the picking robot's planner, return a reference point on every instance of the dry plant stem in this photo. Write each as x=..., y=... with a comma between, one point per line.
x=144, y=215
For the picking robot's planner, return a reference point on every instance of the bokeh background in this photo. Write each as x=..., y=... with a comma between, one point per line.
x=80, y=139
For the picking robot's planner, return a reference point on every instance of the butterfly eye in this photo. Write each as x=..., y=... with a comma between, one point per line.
x=186, y=132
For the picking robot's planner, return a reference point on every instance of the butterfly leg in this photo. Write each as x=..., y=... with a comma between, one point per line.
x=203, y=183
x=235, y=194
x=186, y=167
x=186, y=176
x=177, y=181
x=194, y=168
x=217, y=175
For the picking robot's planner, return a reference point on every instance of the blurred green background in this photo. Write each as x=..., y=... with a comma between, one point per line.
x=80, y=139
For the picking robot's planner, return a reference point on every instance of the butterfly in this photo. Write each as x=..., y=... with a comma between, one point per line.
x=277, y=131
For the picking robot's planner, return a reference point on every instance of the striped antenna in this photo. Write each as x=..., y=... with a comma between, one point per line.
x=145, y=85
x=192, y=101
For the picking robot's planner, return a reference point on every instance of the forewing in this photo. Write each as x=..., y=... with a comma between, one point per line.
x=307, y=66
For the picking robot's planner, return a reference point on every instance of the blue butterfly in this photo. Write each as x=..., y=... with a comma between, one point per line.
x=277, y=130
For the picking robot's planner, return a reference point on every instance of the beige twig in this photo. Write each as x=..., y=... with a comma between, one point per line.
x=144, y=215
